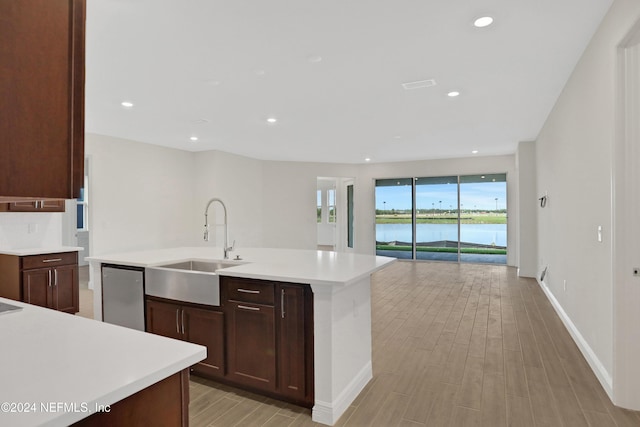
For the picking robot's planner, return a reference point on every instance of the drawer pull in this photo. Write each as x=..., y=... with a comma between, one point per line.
x=244, y=307
x=248, y=291
x=52, y=260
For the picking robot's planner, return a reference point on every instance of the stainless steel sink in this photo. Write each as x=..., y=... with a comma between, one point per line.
x=204, y=266
x=191, y=281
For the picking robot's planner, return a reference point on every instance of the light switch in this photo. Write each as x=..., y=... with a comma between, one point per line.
x=600, y=233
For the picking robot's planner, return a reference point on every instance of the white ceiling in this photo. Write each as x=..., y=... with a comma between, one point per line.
x=218, y=69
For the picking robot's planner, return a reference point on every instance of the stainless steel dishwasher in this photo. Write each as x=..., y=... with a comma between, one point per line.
x=123, y=296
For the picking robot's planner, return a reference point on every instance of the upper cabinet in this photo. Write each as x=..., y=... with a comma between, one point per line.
x=42, y=98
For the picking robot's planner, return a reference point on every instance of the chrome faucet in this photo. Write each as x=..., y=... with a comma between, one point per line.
x=226, y=248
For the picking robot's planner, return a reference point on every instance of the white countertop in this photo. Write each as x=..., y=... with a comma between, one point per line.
x=39, y=251
x=288, y=265
x=52, y=357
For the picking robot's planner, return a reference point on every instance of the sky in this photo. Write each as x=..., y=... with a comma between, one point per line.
x=472, y=196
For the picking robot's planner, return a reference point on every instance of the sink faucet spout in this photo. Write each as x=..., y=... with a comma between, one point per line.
x=226, y=248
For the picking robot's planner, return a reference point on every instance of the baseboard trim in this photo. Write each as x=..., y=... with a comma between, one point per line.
x=596, y=366
x=329, y=412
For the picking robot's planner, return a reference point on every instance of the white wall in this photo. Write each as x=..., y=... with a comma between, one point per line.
x=142, y=196
x=238, y=182
x=574, y=157
x=527, y=229
x=30, y=230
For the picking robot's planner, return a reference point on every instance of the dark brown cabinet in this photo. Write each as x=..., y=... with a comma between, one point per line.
x=34, y=206
x=42, y=98
x=192, y=324
x=269, y=337
x=251, y=345
x=47, y=280
x=295, y=365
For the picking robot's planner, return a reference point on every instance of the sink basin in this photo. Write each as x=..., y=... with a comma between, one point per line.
x=191, y=281
x=204, y=266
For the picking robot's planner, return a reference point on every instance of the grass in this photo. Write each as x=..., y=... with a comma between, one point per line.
x=443, y=219
x=486, y=251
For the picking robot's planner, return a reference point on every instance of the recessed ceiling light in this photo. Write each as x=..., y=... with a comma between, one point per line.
x=419, y=84
x=482, y=22
x=482, y=177
x=367, y=159
x=126, y=104
x=453, y=94
x=315, y=59
x=260, y=72
x=272, y=120
x=194, y=138
x=474, y=152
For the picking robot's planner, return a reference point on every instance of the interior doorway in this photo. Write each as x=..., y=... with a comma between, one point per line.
x=335, y=214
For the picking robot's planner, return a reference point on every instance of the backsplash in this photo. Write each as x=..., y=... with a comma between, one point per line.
x=30, y=230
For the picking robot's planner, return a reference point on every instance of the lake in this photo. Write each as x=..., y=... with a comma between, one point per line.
x=487, y=234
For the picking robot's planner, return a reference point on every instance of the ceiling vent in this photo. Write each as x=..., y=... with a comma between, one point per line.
x=419, y=84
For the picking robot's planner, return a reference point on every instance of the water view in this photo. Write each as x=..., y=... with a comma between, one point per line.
x=485, y=234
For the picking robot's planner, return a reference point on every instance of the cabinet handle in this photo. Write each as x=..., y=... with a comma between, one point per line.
x=248, y=291
x=282, y=303
x=52, y=260
x=182, y=317
x=177, y=321
x=37, y=201
x=49, y=273
x=244, y=307
x=55, y=277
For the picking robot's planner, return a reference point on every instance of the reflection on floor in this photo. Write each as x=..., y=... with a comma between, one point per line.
x=86, y=294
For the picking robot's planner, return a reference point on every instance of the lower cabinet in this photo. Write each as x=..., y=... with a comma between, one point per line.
x=49, y=280
x=270, y=337
x=55, y=288
x=251, y=345
x=195, y=325
x=259, y=338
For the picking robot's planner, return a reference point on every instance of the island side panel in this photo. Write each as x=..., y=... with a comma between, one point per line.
x=95, y=283
x=342, y=319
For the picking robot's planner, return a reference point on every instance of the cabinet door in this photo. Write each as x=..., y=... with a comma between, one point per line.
x=251, y=345
x=42, y=102
x=36, y=286
x=65, y=289
x=206, y=328
x=292, y=347
x=164, y=319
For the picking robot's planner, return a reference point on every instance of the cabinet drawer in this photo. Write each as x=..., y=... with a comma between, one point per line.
x=250, y=291
x=49, y=260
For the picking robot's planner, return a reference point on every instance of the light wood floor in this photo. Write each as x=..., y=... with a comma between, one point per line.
x=453, y=345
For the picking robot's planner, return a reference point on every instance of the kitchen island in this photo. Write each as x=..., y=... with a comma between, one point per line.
x=57, y=369
x=340, y=283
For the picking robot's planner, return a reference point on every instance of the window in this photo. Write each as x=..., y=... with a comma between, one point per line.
x=451, y=218
x=331, y=202
x=82, y=208
x=319, y=205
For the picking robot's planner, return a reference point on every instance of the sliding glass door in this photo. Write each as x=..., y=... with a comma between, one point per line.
x=394, y=218
x=437, y=218
x=451, y=218
x=483, y=218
